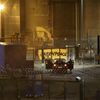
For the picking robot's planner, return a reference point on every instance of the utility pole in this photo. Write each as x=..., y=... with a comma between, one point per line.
x=2, y=22
x=2, y=27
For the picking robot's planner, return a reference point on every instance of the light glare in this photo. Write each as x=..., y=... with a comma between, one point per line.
x=1, y=7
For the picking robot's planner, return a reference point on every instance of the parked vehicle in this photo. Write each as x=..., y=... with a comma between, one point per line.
x=59, y=65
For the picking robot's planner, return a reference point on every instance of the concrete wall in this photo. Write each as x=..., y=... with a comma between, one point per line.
x=92, y=16
x=26, y=15
x=91, y=22
x=35, y=15
x=11, y=17
x=40, y=13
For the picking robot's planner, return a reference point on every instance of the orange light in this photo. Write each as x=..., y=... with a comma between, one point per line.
x=1, y=7
x=54, y=65
x=65, y=65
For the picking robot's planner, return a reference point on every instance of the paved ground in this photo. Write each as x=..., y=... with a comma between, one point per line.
x=58, y=86
x=90, y=74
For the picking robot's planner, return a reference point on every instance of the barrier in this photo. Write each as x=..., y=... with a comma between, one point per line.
x=48, y=90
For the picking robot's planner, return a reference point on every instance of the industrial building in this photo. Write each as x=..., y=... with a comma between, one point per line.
x=70, y=21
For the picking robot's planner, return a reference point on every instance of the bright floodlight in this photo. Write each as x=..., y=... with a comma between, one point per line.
x=1, y=7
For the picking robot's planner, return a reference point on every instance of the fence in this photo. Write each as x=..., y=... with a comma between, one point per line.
x=35, y=89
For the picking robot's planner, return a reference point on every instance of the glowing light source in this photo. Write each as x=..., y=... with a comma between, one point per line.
x=1, y=7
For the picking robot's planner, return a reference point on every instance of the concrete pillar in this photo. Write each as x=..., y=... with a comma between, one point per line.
x=92, y=17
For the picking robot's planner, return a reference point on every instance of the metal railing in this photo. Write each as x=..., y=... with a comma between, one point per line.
x=39, y=89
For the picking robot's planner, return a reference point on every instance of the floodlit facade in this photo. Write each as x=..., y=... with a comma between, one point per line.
x=67, y=21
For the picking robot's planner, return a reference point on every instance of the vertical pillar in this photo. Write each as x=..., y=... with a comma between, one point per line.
x=98, y=44
x=98, y=47
x=42, y=55
x=2, y=27
x=22, y=18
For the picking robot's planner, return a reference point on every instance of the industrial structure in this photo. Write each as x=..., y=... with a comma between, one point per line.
x=51, y=22
x=34, y=32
